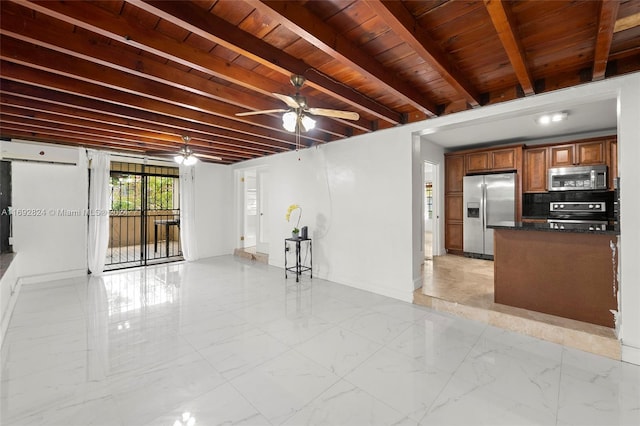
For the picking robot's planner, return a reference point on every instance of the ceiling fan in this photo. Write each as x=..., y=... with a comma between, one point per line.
x=297, y=116
x=186, y=155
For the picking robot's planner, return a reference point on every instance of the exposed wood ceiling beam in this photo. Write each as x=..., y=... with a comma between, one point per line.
x=505, y=25
x=627, y=23
x=21, y=73
x=217, y=30
x=404, y=25
x=314, y=30
x=16, y=106
x=101, y=22
x=606, y=24
x=147, y=120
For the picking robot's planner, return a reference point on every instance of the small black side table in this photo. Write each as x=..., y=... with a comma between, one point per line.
x=299, y=268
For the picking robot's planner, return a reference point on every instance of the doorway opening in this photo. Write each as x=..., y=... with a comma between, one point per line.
x=252, y=196
x=144, y=218
x=430, y=234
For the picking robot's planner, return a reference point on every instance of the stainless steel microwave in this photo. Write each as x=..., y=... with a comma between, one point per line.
x=579, y=178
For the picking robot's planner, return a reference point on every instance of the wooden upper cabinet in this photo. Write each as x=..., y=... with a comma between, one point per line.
x=535, y=170
x=492, y=160
x=504, y=159
x=477, y=162
x=591, y=152
x=562, y=155
x=454, y=173
x=578, y=154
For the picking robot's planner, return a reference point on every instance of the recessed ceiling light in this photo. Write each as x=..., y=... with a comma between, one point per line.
x=552, y=118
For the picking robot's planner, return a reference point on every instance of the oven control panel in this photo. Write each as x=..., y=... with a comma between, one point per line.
x=578, y=206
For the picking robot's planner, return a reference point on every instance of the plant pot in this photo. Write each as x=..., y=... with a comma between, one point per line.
x=295, y=234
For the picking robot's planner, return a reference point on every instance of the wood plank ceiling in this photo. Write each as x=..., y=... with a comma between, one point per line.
x=135, y=76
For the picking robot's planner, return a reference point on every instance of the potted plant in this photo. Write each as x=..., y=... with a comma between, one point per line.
x=295, y=233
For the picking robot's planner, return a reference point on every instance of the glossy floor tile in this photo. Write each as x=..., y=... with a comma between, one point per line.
x=228, y=341
x=464, y=286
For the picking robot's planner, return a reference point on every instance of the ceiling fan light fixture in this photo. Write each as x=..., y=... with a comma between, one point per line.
x=307, y=122
x=190, y=160
x=289, y=120
x=179, y=159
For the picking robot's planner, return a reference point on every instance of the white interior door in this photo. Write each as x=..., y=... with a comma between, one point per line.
x=262, y=243
x=250, y=209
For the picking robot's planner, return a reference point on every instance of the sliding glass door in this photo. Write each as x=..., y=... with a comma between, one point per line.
x=144, y=220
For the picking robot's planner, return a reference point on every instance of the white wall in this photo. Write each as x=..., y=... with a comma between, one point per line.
x=628, y=159
x=214, y=209
x=48, y=240
x=354, y=196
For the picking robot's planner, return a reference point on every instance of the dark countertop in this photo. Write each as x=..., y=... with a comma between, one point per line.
x=524, y=226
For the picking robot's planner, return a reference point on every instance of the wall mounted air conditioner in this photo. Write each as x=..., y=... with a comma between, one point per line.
x=21, y=150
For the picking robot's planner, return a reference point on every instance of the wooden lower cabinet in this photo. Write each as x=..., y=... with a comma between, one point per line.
x=453, y=237
x=453, y=223
x=570, y=275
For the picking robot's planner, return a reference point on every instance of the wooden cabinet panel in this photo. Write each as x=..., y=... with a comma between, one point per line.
x=578, y=154
x=535, y=170
x=477, y=162
x=453, y=207
x=504, y=159
x=590, y=153
x=562, y=155
x=454, y=172
x=453, y=237
x=492, y=160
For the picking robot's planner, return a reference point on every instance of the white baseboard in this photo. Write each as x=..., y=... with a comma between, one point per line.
x=630, y=354
x=405, y=296
x=53, y=276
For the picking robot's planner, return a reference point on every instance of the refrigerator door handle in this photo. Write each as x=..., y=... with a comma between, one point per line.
x=484, y=206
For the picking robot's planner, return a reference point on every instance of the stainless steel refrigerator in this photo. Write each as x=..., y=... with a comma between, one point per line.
x=488, y=199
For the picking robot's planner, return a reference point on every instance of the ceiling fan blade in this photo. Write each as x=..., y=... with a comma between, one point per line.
x=210, y=157
x=347, y=115
x=289, y=100
x=266, y=111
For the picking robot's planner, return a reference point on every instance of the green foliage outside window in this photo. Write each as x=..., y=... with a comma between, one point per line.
x=126, y=192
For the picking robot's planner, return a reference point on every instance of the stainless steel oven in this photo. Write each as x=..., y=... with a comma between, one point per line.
x=587, y=215
x=580, y=178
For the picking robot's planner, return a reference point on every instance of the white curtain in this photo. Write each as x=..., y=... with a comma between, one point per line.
x=188, y=230
x=98, y=240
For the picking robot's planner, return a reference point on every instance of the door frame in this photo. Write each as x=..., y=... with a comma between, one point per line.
x=240, y=189
x=436, y=191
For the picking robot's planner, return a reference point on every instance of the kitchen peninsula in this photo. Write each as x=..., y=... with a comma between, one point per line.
x=568, y=273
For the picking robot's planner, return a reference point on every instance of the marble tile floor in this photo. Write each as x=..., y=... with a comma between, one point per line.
x=229, y=341
x=464, y=287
